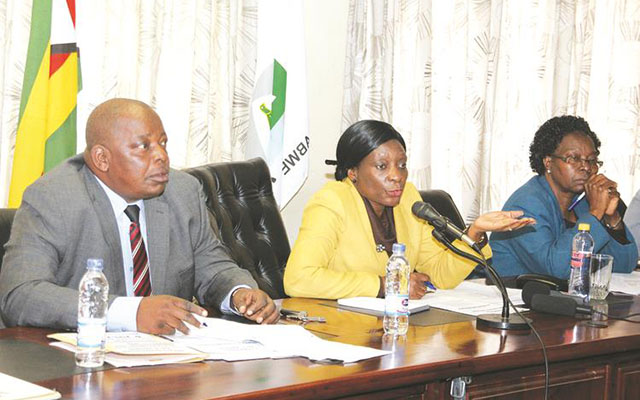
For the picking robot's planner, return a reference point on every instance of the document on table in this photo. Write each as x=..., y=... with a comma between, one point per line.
x=232, y=341
x=377, y=305
x=12, y=388
x=468, y=297
x=625, y=283
x=472, y=298
x=131, y=349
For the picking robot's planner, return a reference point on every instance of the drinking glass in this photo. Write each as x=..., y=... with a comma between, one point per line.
x=600, y=276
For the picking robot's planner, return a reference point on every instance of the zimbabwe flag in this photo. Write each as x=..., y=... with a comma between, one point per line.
x=47, y=121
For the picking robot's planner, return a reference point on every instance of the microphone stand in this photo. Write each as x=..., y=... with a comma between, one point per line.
x=497, y=321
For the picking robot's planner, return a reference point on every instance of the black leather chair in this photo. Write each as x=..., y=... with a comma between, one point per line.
x=443, y=203
x=245, y=214
x=6, y=221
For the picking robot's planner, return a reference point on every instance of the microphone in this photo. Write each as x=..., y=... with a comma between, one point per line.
x=558, y=305
x=532, y=288
x=426, y=212
x=441, y=226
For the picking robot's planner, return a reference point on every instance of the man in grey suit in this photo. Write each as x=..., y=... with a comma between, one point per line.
x=77, y=211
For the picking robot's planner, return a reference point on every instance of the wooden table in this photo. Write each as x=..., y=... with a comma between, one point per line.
x=586, y=363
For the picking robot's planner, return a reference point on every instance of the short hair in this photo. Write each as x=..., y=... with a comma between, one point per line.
x=360, y=139
x=550, y=134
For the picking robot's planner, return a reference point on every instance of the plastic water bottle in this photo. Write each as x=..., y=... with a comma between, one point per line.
x=396, y=293
x=92, y=315
x=581, y=251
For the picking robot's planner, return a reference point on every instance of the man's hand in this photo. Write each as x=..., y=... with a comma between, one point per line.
x=164, y=314
x=256, y=305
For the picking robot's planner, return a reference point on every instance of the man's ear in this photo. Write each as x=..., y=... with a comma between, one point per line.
x=100, y=157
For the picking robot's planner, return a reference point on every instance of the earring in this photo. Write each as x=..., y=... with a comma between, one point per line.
x=548, y=171
x=354, y=180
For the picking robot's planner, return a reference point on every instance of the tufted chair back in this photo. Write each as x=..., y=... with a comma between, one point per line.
x=244, y=212
x=443, y=203
x=6, y=221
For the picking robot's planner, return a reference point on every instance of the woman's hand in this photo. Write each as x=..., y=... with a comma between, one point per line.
x=498, y=221
x=603, y=197
x=417, y=285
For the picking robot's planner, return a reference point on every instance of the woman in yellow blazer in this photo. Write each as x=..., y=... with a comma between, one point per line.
x=348, y=226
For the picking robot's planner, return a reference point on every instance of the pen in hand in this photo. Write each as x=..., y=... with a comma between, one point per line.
x=430, y=286
x=576, y=201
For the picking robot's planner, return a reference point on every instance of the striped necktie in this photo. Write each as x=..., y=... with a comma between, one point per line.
x=141, y=281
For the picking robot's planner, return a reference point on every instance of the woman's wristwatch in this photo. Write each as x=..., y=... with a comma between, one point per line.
x=612, y=227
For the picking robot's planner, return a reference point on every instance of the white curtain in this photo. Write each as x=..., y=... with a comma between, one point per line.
x=468, y=82
x=193, y=61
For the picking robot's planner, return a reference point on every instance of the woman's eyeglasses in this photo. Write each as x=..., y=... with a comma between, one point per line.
x=575, y=161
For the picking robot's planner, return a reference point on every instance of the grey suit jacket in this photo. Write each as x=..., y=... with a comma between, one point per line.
x=65, y=218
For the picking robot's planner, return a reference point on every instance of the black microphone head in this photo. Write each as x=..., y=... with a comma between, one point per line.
x=426, y=211
x=531, y=288
x=418, y=208
x=554, y=305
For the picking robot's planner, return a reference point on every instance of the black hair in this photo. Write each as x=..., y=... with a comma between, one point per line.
x=550, y=134
x=360, y=139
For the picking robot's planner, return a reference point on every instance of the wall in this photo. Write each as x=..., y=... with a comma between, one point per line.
x=325, y=35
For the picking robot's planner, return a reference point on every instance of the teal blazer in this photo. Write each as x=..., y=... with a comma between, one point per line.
x=545, y=248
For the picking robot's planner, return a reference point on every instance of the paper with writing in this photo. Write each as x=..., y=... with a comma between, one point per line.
x=227, y=340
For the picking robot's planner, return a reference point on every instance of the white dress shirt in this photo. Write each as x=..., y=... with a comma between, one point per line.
x=122, y=313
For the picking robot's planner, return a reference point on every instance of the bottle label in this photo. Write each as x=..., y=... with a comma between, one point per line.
x=580, y=259
x=396, y=305
x=91, y=332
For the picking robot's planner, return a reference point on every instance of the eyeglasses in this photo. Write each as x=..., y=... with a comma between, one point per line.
x=575, y=161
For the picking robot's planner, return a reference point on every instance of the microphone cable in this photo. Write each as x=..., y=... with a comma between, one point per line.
x=497, y=282
x=625, y=318
x=529, y=323
x=531, y=289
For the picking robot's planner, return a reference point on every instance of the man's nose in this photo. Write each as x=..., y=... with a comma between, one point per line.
x=160, y=154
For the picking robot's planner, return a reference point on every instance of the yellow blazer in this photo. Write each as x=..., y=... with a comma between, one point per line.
x=335, y=255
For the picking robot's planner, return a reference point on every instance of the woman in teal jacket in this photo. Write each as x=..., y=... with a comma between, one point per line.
x=564, y=154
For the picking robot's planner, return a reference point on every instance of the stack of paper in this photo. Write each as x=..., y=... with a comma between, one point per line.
x=468, y=297
x=625, y=283
x=472, y=298
x=130, y=349
x=16, y=389
x=231, y=341
x=219, y=339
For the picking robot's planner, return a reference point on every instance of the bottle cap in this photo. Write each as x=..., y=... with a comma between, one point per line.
x=398, y=248
x=584, y=227
x=94, y=263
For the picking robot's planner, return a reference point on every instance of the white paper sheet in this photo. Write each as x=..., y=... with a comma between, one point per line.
x=227, y=340
x=12, y=388
x=625, y=283
x=377, y=305
x=125, y=360
x=131, y=343
x=472, y=298
x=469, y=297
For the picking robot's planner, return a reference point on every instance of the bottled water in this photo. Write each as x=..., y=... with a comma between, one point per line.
x=396, y=293
x=92, y=315
x=581, y=251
